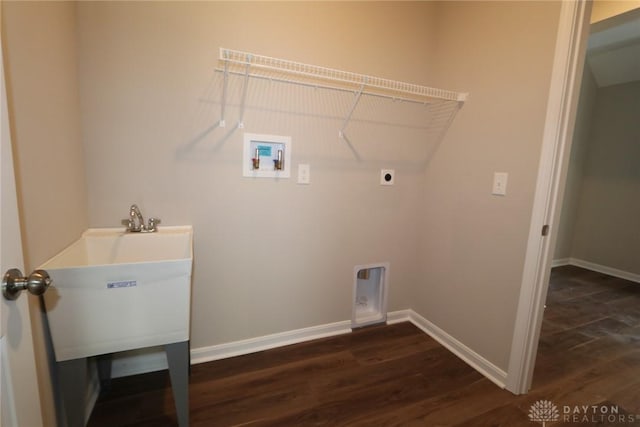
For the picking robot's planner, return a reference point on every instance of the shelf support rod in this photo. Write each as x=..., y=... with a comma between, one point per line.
x=225, y=83
x=244, y=92
x=353, y=108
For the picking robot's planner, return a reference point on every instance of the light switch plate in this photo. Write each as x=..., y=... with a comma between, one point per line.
x=304, y=174
x=500, y=183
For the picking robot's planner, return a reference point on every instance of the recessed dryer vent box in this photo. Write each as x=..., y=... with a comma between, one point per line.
x=266, y=156
x=370, y=294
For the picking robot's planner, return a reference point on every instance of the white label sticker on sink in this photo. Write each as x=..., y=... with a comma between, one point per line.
x=123, y=284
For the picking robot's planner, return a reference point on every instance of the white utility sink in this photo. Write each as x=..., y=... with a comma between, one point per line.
x=115, y=291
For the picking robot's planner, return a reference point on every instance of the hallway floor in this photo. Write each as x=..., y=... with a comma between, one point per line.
x=589, y=354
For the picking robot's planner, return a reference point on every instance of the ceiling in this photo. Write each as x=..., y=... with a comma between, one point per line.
x=614, y=49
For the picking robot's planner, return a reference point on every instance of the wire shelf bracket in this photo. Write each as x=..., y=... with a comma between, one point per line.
x=353, y=108
x=225, y=84
x=281, y=70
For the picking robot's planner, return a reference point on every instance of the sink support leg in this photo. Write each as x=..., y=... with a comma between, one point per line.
x=104, y=372
x=178, y=361
x=73, y=381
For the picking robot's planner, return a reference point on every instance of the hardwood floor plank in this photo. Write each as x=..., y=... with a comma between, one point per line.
x=461, y=406
x=340, y=411
x=136, y=409
x=257, y=394
x=382, y=351
x=502, y=416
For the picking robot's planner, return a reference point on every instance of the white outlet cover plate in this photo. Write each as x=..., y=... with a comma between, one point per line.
x=387, y=176
x=304, y=173
x=500, y=183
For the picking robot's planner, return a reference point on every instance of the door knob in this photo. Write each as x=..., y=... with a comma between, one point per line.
x=13, y=283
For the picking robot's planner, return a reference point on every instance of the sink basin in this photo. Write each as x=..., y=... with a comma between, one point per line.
x=115, y=291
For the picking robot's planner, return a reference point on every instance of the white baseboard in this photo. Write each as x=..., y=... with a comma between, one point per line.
x=473, y=359
x=560, y=262
x=154, y=359
x=252, y=345
x=598, y=268
x=399, y=316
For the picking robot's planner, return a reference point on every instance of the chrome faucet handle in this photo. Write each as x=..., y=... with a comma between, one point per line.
x=131, y=225
x=153, y=224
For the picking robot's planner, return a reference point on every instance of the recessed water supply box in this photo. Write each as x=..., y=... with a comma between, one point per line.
x=370, y=294
x=266, y=156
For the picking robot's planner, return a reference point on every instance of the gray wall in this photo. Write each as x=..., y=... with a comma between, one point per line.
x=607, y=227
x=45, y=122
x=575, y=172
x=270, y=256
x=600, y=222
x=473, y=244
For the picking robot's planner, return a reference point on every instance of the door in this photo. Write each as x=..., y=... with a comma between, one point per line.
x=571, y=46
x=19, y=397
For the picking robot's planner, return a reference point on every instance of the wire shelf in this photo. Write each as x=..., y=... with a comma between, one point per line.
x=250, y=65
x=296, y=72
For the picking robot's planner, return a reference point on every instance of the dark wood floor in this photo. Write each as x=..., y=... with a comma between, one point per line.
x=589, y=354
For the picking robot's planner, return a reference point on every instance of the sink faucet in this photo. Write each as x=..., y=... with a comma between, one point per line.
x=134, y=213
x=135, y=223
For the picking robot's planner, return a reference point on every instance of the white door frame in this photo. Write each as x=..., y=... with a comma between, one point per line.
x=564, y=91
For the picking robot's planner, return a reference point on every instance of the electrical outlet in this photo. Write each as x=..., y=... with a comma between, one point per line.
x=500, y=183
x=304, y=173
